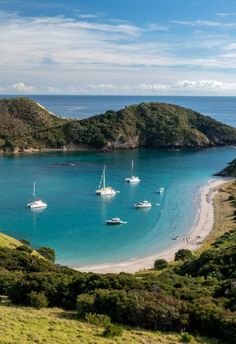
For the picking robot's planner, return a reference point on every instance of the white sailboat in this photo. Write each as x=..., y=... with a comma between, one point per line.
x=36, y=203
x=133, y=179
x=104, y=190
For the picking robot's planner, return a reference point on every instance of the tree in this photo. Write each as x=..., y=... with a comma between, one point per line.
x=47, y=253
x=160, y=264
x=37, y=300
x=183, y=254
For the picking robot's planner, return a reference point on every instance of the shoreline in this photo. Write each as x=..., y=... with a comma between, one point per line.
x=202, y=226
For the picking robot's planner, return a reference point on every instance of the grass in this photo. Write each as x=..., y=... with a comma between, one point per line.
x=224, y=210
x=55, y=326
x=9, y=242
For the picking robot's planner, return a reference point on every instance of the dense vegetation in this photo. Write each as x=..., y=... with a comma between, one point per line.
x=229, y=171
x=24, y=124
x=196, y=294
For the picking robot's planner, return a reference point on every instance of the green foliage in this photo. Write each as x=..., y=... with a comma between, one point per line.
x=183, y=254
x=112, y=330
x=186, y=338
x=24, y=248
x=37, y=300
x=160, y=264
x=25, y=124
x=47, y=252
x=98, y=319
x=229, y=171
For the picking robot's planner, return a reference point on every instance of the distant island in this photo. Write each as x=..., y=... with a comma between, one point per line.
x=26, y=125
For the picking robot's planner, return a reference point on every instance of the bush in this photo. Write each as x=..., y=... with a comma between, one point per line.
x=186, y=338
x=37, y=300
x=47, y=253
x=183, y=254
x=112, y=330
x=24, y=248
x=160, y=264
x=98, y=319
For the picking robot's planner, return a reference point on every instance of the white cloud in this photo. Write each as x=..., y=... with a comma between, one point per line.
x=206, y=23
x=91, y=15
x=66, y=55
x=21, y=87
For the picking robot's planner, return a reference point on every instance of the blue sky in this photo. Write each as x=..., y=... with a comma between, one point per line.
x=162, y=47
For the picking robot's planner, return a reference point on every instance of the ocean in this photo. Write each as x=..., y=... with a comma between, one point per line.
x=74, y=222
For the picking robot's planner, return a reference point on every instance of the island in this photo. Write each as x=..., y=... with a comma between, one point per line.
x=26, y=125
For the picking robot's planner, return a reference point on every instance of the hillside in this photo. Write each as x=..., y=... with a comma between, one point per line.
x=229, y=171
x=26, y=125
x=55, y=326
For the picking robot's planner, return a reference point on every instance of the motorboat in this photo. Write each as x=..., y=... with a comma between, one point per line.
x=115, y=221
x=161, y=190
x=36, y=203
x=143, y=204
x=104, y=190
x=133, y=179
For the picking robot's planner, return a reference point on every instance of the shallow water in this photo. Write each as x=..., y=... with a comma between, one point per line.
x=73, y=223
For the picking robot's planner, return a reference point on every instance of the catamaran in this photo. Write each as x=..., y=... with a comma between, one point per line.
x=133, y=179
x=104, y=190
x=36, y=203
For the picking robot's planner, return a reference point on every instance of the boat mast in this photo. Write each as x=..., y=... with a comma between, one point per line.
x=132, y=168
x=34, y=192
x=104, y=177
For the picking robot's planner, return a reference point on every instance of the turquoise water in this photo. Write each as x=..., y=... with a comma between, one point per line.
x=73, y=223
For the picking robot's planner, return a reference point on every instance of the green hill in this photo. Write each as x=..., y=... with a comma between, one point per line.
x=229, y=171
x=24, y=125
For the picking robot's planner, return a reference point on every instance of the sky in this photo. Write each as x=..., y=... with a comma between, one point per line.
x=118, y=47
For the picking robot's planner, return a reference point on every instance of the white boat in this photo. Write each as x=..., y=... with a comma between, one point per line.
x=104, y=190
x=161, y=190
x=115, y=221
x=144, y=204
x=36, y=203
x=133, y=179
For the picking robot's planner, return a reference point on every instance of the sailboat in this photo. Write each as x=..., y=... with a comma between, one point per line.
x=36, y=203
x=132, y=179
x=104, y=190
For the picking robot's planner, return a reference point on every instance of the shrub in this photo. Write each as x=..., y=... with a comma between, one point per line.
x=98, y=319
x=85, y=304
x=112, y=330
x=37, y=300
x=183, y=254
x=186, y=338
x=47, y=253
x=160, y=264
x=24, y=248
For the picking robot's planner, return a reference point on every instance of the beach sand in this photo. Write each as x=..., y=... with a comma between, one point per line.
x=202, y=226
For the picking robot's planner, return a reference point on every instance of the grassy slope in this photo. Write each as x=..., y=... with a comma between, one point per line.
x=55, y=326
x=224, y=214
x=9, y=242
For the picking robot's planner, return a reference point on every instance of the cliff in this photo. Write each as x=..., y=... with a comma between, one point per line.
x=26, y=125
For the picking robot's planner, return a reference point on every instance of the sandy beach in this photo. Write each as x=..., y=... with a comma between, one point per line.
x=203, y=224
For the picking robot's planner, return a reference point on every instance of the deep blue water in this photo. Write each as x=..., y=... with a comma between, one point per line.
x=220, y=108
x=73, y=223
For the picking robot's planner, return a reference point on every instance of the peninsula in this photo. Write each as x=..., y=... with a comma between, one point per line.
x=25, y=125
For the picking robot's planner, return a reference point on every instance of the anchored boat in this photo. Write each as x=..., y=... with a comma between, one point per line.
x=133, y=179
x=36, y=203
x=104, y=190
